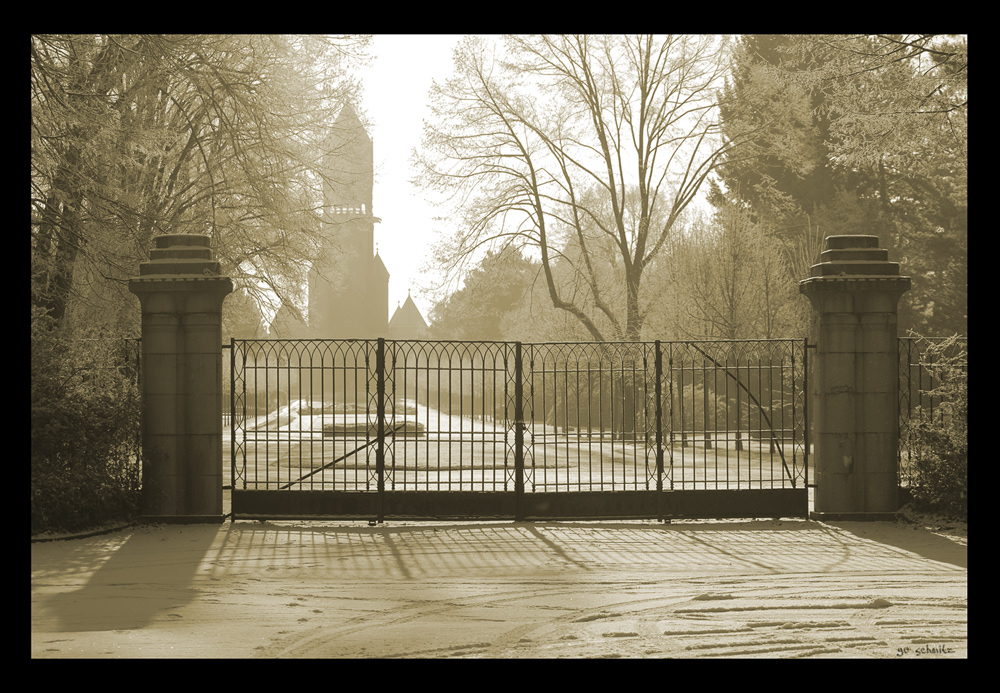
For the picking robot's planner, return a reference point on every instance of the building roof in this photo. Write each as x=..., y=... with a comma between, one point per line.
x=349, y=164
x=407, y=322
x=348, y=121
x=380, y=266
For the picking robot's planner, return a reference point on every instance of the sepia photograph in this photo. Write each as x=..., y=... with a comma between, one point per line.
x=441, y=346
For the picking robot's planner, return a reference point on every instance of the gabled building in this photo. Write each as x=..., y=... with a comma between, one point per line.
x=408, y=323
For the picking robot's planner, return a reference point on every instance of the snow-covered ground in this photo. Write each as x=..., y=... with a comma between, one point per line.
x=289, y=420
x=689, y=589
x=766, y=589
x=450, y=451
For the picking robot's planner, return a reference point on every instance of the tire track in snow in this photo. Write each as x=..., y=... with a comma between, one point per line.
x=737, y=623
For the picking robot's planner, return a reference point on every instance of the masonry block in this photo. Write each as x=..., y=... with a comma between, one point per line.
x=181, y=294
x=855, y=292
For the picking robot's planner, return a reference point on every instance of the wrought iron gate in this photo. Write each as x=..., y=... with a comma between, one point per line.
x=375, y=429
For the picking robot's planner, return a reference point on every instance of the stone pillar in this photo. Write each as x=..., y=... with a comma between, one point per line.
x=855, y=399
x=181, y=294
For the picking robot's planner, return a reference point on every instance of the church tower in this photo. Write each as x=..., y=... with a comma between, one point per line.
x=348, y=283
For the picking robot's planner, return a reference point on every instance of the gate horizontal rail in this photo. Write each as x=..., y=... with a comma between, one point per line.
x=380, y=428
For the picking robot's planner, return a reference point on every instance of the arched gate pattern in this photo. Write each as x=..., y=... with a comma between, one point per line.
x=370, y=429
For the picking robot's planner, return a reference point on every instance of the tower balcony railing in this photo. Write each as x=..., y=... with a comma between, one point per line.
x=345, y=210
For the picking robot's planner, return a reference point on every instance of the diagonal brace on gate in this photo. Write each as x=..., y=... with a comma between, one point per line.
x=760, y=408
x=389, y=434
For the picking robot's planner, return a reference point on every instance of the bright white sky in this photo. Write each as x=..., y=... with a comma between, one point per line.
x=395, y=103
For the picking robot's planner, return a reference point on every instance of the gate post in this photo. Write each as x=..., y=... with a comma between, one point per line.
x=181, y=293
x=855, y=291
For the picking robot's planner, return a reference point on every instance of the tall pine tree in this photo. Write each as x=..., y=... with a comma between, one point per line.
x=843, y=146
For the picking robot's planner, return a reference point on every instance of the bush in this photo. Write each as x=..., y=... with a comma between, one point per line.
x=939, y=471
x=85, y=418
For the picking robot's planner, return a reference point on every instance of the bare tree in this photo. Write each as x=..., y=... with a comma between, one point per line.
x=574, y=148
x=137, y=135
x=730, y=280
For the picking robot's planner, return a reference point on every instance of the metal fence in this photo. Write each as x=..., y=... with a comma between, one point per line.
x=920, y=377
x=496, y=417
x=364, y=415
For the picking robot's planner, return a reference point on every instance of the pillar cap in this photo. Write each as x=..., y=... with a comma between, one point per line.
x=855, y=259
x=857, y=240
x=180, y=254
x=180, y=258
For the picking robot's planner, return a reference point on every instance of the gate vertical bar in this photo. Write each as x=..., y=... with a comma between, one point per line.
x=670, y=412
x=805, y=416
x=658, y=363
x=518, y=434
x=380, y=426
x=232, y=424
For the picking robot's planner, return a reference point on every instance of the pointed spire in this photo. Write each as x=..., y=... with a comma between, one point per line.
x=349, y=165
x=349, y=128
x=347, y=115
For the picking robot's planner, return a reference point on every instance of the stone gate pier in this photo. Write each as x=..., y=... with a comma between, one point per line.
x=855, y=291
x=181, y=293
